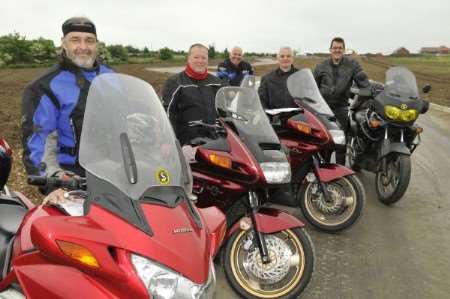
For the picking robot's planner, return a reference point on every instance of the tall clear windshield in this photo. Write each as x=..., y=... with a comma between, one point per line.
x=401, y=82
x=127, y=139
x=249, y=81
x=244, y=106
x=302, y=86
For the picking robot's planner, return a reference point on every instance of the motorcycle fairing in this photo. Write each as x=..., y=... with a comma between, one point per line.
x=329, y=172
x=270, y=220
x=388, y=147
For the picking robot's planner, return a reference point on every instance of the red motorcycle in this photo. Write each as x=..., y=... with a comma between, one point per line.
x=268, y=254
x=330, y=196
x=131, y=230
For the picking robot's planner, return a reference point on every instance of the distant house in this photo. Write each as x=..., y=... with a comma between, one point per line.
x=435, y=50
x=402, y=51
x=351, y=52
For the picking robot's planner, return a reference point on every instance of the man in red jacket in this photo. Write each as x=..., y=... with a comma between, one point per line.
x=190, y=95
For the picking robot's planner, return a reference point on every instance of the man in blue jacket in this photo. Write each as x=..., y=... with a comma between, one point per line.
x=53, y=105
x=234, y=69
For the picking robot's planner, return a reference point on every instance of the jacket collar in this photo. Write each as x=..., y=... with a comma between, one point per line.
x=279, y=72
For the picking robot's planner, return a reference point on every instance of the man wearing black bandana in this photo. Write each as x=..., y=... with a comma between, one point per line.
x=53, y=105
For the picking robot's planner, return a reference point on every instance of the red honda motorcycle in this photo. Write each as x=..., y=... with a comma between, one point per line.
x=268, y=254
x=330, y=196
x=132, y=230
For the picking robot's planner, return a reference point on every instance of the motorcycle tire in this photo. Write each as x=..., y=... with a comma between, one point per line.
x=338, y=215
x=403, y=164
x=285, y=276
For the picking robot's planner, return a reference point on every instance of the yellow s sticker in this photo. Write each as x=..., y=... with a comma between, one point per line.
x=162, y=176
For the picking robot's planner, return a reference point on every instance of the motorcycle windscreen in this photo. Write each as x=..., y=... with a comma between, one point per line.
x=303, y=87
x=401, y=82
x=127, y=140
x=249, y=81
x=244, y=107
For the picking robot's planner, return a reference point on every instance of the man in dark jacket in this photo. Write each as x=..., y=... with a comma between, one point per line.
x=273, y=90
x=53, y=105
x=334, y=78
x=190, y=95
x=234, y=69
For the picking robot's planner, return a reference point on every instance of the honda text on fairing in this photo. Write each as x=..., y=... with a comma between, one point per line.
x=268, y=253
x=383, y=132
x=137, y=233
x=330, y=196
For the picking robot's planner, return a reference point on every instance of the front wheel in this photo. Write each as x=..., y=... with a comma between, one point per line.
x=342, y=210
x=290, y=268
x=392, y=183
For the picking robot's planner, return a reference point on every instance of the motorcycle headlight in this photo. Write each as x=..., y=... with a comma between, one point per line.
x=408, y=115
x=163, y=283
x=276, y=172
x=392, y=112
x=396, y=113
x=338, y=137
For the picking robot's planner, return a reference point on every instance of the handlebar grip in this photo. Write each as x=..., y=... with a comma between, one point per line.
x=54, y=182
x=37, y=180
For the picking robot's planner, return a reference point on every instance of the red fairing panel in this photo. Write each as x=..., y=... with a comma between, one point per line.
x=331, y=172
x=177, y=241
x=216, y=223
x=271, y=220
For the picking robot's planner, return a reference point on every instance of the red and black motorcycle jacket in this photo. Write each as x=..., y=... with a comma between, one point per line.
x=186, y=99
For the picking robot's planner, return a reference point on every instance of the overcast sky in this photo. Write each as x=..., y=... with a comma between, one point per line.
x=262, y=26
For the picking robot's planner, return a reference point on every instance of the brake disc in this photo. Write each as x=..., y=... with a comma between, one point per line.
x=280, y=261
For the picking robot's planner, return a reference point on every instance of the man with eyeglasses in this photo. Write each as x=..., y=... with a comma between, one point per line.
x=53, y=105
x=334, y=77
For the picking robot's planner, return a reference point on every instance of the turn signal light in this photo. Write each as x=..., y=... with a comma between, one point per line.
x=374, y=123
x=245, y=223
x=78, y=253
x=221, y=161
x=303, y=127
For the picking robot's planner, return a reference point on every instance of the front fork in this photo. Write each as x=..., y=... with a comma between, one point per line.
x=322, y=185
x=386, y=136
x=259, y=237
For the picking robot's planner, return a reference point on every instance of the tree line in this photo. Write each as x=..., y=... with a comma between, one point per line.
x=16, y=50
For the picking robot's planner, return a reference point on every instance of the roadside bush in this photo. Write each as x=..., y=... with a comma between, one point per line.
x=165, y=54
x=15, y=49
x=118, y=53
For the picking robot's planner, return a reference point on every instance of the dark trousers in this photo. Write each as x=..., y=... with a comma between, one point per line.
x=341, y=114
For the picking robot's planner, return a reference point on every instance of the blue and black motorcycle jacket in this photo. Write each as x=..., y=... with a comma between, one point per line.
x=55, y=103
x=233, y=74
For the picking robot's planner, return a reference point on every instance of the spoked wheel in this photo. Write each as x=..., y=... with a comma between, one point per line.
x=285, y=276
x=342, y=210
x=392, y=183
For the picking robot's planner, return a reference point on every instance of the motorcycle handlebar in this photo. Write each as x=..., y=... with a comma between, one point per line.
x=71, y=183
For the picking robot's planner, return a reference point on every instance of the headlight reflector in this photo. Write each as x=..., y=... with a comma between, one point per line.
x=338, y=136
x=408, y=115
x=163, y=283
x=396, y=113
x=276, y=172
